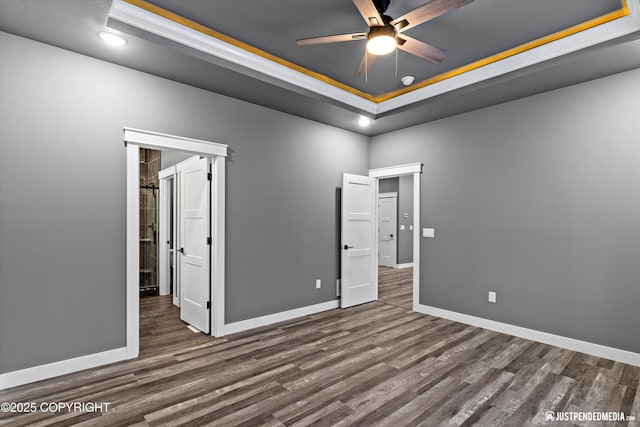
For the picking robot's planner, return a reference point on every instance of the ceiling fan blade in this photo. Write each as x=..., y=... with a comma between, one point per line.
x=421, y=49
x=369, y=12
x=365, y=64
x=332, y=39
x=426, y=12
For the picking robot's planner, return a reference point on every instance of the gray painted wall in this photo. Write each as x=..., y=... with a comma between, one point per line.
x=62, y=198
x=405, y=205
x=538, y=200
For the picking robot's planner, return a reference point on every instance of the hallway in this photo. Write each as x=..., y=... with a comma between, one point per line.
x=395, y=286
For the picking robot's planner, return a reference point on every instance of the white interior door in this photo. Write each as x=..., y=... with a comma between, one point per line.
x=358, y=277
x=387, y=229
x=194, y=254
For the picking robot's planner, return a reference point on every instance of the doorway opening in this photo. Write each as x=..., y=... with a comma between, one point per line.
x=168, y=180
x=395, y=241
x=360, y=244
x=204, y=250
x=398, y=234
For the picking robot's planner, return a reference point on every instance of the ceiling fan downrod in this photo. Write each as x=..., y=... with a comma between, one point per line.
x=381, y=5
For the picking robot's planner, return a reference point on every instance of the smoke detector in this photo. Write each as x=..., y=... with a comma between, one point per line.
x=407, y=80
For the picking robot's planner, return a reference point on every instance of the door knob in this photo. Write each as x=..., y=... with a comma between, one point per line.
x=182, y=251
x=348, y=247
x=391, y=235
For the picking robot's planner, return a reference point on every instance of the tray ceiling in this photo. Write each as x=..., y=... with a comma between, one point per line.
x=474, y=35
x=176, y=51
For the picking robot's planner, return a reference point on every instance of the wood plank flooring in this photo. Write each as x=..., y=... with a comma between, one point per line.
x=378, y=364
x=395, y=286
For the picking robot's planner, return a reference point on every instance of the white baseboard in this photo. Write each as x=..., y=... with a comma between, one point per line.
x=270, y=319
x=405, y=265
x=598, y=350
x=55, y=369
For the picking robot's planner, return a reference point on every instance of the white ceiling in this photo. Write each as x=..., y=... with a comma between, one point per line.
x=73, y=24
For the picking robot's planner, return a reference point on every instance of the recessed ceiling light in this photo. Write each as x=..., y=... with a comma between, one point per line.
x=112, y=39
x=364, y=122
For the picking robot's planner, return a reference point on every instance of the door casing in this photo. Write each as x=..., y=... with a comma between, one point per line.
x=414, y=169
x=133, y=140
x=165, y=218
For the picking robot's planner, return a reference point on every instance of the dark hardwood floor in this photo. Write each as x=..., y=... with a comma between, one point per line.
x=395, y=286
x=374, y=364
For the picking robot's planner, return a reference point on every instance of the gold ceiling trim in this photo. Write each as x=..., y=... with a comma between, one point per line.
x=244, y=46
x=622, y=12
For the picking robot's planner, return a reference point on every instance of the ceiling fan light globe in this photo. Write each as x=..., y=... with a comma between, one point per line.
x=381, y=45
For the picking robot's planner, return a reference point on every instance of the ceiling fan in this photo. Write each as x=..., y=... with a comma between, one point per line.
x=386, y=34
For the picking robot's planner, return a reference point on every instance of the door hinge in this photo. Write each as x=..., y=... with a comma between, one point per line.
x=208, y=240
x=209, y=176
x=208, y=304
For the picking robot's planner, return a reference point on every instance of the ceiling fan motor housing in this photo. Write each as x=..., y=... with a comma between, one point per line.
x=387, y=30
x=382, y=40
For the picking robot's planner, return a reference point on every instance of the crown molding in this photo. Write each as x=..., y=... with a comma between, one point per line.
x=144, y=20
x=544, y=52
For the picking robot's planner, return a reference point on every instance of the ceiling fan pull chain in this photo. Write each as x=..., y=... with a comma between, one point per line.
x=396, y=62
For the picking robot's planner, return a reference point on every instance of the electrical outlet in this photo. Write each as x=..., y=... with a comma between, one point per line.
x=318, y=284
x=492, y=297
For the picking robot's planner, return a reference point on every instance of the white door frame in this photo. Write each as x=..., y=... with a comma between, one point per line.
x=133, y=140
x=169, y=176
x=164, y=227
x=414, y=169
